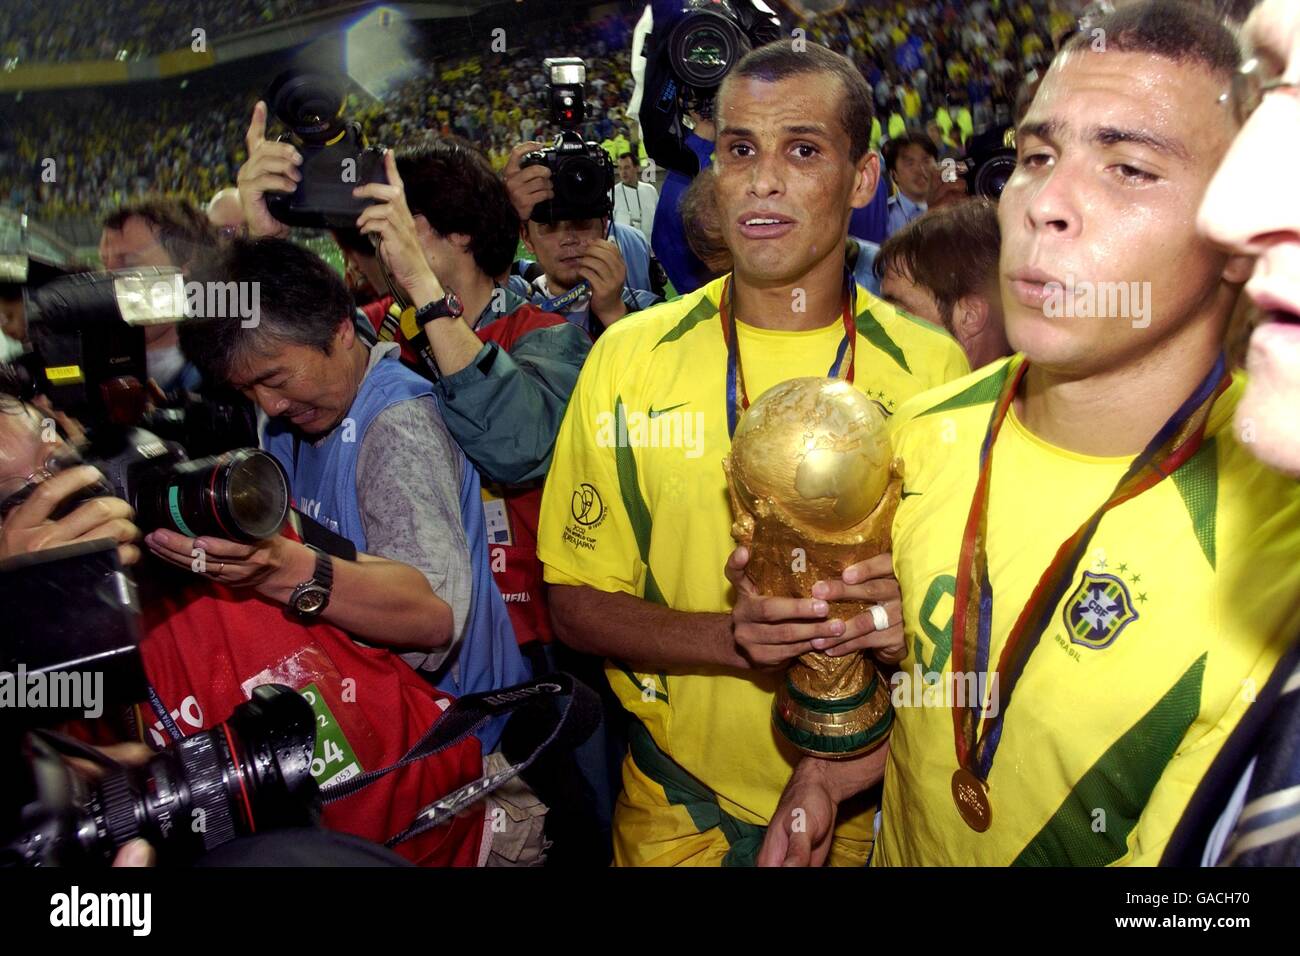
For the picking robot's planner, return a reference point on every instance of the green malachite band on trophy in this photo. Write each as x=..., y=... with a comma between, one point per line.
x=843, y=705
x=820, y=744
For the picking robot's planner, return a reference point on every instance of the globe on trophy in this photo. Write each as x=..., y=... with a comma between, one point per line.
x=814, y=489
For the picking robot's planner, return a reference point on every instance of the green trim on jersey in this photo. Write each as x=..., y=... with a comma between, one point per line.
x=681, y=788
x=1198, y=484
x=630, y=490
x=930, y=326
x=983, y=392
x=702, y=312
x=1092, y=825
x=640, y=685
x=869, y=328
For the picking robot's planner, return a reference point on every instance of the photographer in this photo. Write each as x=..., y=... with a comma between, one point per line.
x=158, y=232
x=504, y=369
x=29, y=446
x=369, y=457
x=569, y=251
x=204, y=644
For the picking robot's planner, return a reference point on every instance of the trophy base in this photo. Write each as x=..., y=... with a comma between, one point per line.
x=834, y=728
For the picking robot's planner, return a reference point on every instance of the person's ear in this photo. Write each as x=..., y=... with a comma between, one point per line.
x=424, y=233
x=1237, y=270
x=527, y=240
x=346, y=333
x=868, y=178
x=970, y=316
x=460, y=241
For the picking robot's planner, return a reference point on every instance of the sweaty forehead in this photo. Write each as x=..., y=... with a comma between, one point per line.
x=1136, y=91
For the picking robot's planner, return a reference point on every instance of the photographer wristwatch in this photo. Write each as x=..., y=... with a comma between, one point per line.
x=312, y=597
x=448, y=307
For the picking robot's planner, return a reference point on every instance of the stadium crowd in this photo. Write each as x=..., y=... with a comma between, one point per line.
x=35, y=32
x=952, y=69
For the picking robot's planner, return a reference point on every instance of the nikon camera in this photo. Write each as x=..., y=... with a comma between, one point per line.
x=582, y=173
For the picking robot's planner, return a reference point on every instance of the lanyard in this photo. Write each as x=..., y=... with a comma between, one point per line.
x=737, y=396
x=1177, y=440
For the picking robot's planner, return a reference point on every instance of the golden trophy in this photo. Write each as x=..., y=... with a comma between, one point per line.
x=813, y=490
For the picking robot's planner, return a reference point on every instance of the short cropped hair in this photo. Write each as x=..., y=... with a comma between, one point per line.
x=779, y=60
x=952, y=251
x=183, y=230
x=1173, y=29
x=301, y=301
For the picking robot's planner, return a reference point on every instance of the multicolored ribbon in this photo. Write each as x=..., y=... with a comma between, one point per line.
x=1177, y=440
x=737, y=396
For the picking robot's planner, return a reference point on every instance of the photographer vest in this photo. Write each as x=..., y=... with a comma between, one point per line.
x=325, y=473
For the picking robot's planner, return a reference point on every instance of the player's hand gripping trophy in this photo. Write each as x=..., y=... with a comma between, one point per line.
x=813, y=490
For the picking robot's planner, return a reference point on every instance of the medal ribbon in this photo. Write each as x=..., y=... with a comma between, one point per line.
x=1177, y=440
x=737, y=396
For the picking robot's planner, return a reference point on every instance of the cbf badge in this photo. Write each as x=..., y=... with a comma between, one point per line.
x=1098, y=610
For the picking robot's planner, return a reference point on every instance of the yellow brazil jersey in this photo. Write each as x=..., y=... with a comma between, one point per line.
x=636, y=501
x=1178, y=611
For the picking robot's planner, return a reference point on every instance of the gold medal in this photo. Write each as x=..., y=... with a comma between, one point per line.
x=971, y=796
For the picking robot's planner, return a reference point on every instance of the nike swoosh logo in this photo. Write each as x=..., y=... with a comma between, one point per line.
x=655, y=413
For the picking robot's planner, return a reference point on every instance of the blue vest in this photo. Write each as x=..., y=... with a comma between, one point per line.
x=323, y=479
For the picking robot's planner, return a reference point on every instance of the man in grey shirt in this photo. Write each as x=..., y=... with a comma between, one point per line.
x=412, y=525
x=369, y=457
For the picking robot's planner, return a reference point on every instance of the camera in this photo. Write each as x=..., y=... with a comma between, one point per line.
x=248, y=774
x=89, y=360
x=709, y=39
x=241, y=495
x=74, y=616
x=582, y=174
x=989, y=162
x=335, y=157
x=692, y=46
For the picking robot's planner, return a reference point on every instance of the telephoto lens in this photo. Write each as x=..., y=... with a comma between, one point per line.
x=704, y=46
x=242, y=495
x=247, y=775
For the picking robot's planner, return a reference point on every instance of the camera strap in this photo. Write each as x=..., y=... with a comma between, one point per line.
x=556, y=303
x=560, y=708
x=164, y=717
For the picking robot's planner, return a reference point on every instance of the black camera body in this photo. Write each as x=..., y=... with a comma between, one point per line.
x=73, y=619
x=709, y=39
x=247, y=775
x=692, y=46
x=582, y=174
x=989, y=162
x=241, y=495
x=335, y=157
x=89, y=360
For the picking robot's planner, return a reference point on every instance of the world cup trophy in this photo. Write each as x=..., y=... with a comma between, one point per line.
x=813, y=490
